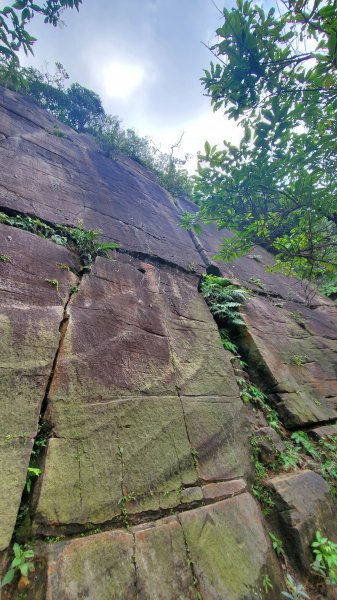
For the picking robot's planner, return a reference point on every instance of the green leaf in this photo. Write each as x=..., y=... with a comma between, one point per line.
x=8, y=578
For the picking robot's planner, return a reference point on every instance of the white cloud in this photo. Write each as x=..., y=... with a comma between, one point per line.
x=120, y=79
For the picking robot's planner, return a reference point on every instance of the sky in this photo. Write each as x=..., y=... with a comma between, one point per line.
x=144, y=58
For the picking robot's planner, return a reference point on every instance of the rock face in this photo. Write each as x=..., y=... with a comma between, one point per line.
x=116, y=388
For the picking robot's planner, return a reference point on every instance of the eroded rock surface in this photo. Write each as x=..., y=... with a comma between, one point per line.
x=291, y=335
x=146, y=472
x=31, y=312
x=304, y=506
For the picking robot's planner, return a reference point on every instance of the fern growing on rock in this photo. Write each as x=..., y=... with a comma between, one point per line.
x=224, y=298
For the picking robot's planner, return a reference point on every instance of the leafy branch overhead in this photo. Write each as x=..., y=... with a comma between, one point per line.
x=14, y=19
x=275, y=73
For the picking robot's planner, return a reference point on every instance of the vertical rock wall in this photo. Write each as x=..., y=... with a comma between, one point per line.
x=119, y=376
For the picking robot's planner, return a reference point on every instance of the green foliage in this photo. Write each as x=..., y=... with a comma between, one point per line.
x=263, y=494
x=4, y=258
x=277, y=544
x=76, y=106
x=32, y=472
x=325, y=564
x=256, y=396
x=195, y=456
x=122, y=502
x=328, y=287
x=227, y=342
x=290, y=458
x=278, y=187
x=260, y=490
x=328, y=454
x=224, y=298
x=295, y=590
x=83, y=241
x=266, y=583
x=302, y=439
x=53, y=282
x=298, y=359
x=21, y=563
x=14, y=19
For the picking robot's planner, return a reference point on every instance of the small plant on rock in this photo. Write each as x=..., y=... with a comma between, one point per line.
x=295, y=590
x=32, y=472
x=277, y=544
x=227, y=342
x=20, y=564
x=53, y=282
x=298, y=360
x=266, y=583
x=290, y=458
x=325, y=563
x=224, y=298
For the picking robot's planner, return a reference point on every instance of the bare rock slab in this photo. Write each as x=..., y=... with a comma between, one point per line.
x=221, y=551
x=64, y=179
x=304, y=506
x=98, y=567
x=299, y=363
x=230, y=550
x=163, y=572
x=30, y=316
x=142, y=387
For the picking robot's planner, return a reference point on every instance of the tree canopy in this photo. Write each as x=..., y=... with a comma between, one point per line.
x=14, y=19
x=275, y=73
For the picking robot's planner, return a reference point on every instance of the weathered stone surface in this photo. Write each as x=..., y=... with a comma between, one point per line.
x=163, y=572
x=191, y=494
x=299, y=364
x=64, y=179
x=230, y=550
x=215, y=425
x=111, y=449
x=320, y=433
x=224, y=546
x=120, y=428
x=304, y=506
x=269, y=444
x=30, y=316
x=98, y=567
x=223, y=489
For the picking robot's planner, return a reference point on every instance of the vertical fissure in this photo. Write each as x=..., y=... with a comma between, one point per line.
x=134, y=562
x=44, y=428
x=190, y=564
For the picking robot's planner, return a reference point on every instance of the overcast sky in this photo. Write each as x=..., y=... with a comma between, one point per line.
x=144, y=58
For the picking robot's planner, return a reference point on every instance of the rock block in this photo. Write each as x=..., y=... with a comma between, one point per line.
x=319, y=433
x=136, y=336
x=230, y=550
x=269, y=444
x=223, y=489
x=163, y=572
x=298, y=364
x=219, y=433
x=304, y=506
x=99, y=567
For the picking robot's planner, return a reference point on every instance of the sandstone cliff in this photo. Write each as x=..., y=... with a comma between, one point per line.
x=115, y=379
